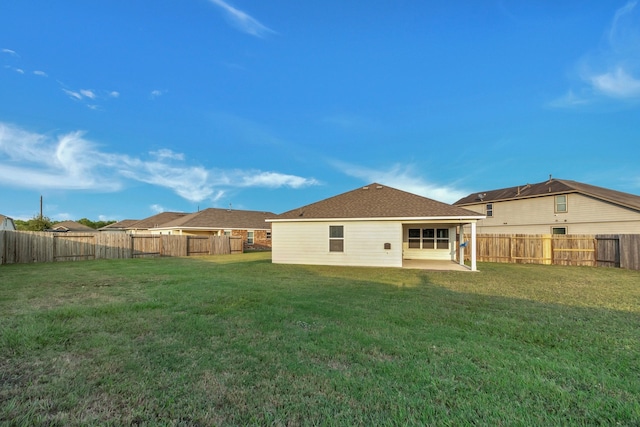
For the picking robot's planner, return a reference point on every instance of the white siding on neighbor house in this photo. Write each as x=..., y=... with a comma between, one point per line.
x=584, y=215
x=6, y=224
x=308, y=243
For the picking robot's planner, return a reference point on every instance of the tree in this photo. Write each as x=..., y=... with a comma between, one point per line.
x=94, y=224
x=36, y=223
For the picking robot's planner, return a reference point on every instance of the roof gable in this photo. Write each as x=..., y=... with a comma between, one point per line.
x=222, y=218
x=71, y=226
x=552, y=187
x=376, y=201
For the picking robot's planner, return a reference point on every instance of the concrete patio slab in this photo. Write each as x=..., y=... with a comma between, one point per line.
x=434, y=265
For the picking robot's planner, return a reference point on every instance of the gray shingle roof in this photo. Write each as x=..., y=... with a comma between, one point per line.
x=552, y=187
x=155, y=220
x=119, y=225
x=376, y=201
x=221, y=219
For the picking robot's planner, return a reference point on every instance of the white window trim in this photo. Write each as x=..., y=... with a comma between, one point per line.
x=336, y=239
x=566, y=203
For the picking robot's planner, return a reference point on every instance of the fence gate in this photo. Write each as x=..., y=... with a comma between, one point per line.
x=74, y=247
x=607, y=250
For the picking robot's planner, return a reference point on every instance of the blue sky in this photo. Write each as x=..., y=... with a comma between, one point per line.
x=121, y=109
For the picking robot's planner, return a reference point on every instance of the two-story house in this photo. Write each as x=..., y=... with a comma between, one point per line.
x=556, y=206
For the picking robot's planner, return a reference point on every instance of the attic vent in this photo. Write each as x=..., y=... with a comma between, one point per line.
x=365, y=188
x=379, y=187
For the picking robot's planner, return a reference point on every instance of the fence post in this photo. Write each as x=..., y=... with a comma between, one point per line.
x=547, y=249
x=511, y=248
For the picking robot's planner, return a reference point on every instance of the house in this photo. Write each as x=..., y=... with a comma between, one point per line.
x=374, y=225
x=556, y=206
x=71, y=226
x=249, y=225
x=7, y=223
x=144, y=225
x=118, y=227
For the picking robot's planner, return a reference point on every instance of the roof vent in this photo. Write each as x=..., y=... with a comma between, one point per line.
x=379, y=187
x=365, y=188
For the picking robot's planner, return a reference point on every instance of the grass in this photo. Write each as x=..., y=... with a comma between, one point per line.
x=236, y=340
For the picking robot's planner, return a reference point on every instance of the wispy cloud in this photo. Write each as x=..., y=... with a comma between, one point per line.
x=157, y=208
x=156, y=93
x=402, y=177
x=86, y=95
x=73, y=94
x=616, y=83
x=569, y=100
x=613, y=70
x=10, y=52
x=243, y=21
x=72, y=162
x=273, y=180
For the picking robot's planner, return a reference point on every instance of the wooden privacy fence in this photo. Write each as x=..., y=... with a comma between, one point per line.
x=26, y=246
x=620, y=250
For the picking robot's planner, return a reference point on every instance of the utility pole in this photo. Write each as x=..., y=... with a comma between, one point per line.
x=41, y=207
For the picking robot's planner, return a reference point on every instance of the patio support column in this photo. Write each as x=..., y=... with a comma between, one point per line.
x=460, y=242
x=473, y=246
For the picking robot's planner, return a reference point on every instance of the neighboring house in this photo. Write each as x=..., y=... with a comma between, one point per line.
x=250, y=225
x=118, y=227
x=70, y=226
x=373, y=225
x=144, y=225
x=556, y=206
x=7, y=223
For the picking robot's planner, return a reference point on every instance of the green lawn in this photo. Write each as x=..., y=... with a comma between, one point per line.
x=236, y=340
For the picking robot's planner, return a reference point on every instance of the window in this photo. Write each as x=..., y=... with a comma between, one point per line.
x=559, y=230
x=442, y=240
x=414, y=238
x=268, y=235
x=489, y=209
x=428, y=238
x=561, y=203
x=227, y=232
x=249, y=237
x=336, y=238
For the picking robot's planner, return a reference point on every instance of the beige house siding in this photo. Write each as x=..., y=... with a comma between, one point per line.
x=585, y=215
x=364, y=243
